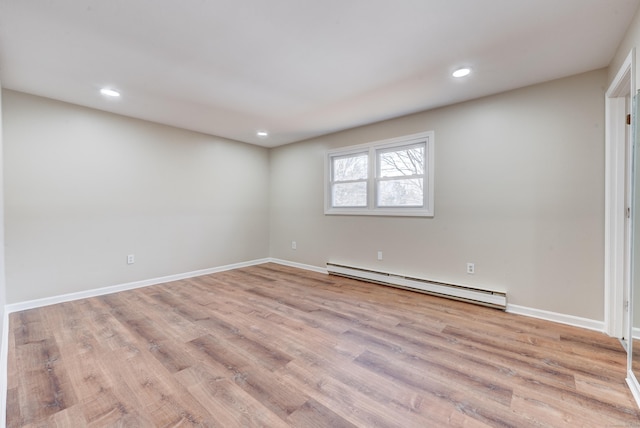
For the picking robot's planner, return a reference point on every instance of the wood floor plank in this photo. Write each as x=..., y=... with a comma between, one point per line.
x=14, y=409
x=107, y=328
x=29, y=327
x=473, y=405
x=314, y=414
x=12, y=369
x=104, y=408
x=116, y=405
x=46, y=388
x=351, y=402
x=70, y=417
x=227, y=402
x=276, y=346
x=165, y=401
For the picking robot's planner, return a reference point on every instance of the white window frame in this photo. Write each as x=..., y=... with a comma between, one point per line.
x=427, y=210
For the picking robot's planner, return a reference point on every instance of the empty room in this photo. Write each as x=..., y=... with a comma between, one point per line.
x=319, y=213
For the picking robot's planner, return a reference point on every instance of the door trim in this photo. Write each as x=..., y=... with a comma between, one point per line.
x=616, y=268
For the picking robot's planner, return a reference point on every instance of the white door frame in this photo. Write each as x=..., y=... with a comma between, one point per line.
x=616, y=250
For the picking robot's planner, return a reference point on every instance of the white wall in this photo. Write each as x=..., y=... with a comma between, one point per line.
x=84, y=188
x=519, y=192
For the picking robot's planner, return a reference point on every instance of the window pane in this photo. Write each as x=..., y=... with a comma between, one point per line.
x=350, y=194
x=400, y=193
x=404, y=161
x=352, y=167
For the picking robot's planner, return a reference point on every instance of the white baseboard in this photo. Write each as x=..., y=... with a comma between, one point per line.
x=299, y=265
x=587, y=323
x=31, y=304
x=37, y=303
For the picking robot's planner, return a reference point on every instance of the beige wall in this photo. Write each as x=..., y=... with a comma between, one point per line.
x=519, y=191
x=83, y=189
x=631, y=40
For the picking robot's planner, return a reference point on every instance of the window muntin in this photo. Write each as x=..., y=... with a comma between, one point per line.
x=391, y=177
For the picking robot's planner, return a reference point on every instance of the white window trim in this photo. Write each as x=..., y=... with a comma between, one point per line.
x=371, y=209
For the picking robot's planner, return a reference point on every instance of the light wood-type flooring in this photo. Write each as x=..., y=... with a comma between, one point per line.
x=274, y=346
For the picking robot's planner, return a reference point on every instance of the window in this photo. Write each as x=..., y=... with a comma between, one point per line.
x=349, y=177
x=390, y=177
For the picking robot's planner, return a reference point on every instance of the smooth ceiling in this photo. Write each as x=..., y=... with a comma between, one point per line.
x=296, y=68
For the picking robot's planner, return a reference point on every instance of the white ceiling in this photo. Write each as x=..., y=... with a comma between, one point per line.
x=297, y=68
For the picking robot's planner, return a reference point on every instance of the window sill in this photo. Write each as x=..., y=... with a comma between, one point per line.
x=389, y=212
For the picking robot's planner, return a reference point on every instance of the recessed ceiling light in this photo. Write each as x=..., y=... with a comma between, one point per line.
x=262, y=134
x=461, y=72
x=109, y=92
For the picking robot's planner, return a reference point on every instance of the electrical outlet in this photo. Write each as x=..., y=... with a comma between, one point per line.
x=471, y=268
x=294, y=245
x=131, y=259
x=379, y=255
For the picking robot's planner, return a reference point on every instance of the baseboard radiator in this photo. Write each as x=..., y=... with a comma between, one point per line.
x=493, y=299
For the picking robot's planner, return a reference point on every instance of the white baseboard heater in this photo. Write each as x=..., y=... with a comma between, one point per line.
x=493, y=299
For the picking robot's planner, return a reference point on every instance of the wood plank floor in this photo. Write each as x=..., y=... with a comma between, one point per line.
x=273, y=346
